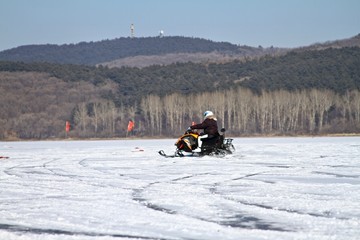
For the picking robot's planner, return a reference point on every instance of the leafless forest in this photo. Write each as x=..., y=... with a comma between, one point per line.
x=239, y=110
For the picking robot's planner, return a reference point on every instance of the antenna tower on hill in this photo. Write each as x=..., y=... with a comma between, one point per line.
x=132, y=28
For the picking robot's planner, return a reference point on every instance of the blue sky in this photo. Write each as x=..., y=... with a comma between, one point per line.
x=279, y=23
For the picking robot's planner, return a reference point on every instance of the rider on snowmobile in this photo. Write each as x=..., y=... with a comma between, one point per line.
x=210, y=127
x=210, y=142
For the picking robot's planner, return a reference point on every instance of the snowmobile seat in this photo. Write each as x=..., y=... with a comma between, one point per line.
x=209, y=144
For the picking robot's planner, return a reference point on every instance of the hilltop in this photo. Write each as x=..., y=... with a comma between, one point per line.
x=348, y=42
x=107, y=52
x=147, y=51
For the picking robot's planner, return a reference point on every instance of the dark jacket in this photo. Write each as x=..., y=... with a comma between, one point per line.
x=209, y=125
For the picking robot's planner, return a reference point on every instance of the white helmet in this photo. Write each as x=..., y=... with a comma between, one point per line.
x=208, y=114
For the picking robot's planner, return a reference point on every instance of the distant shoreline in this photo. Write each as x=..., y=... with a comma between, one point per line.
x=164, y=137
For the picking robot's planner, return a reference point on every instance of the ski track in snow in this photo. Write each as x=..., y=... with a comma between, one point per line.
x=270, y=188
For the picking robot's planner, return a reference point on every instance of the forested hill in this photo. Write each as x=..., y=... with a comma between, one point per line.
x=334, y=69
x=304, y=92
x=146, y=51
x=92, y=53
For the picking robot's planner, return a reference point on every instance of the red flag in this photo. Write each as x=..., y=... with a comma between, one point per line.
x=130, y=126
x=67, y=126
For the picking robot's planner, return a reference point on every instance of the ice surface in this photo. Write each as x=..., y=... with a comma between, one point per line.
x=270, y=188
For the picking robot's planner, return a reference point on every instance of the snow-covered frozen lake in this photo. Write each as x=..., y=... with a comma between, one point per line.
x=270, y=188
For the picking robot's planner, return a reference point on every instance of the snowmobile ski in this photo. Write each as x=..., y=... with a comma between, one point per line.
x=176, y=154
x=162, y=153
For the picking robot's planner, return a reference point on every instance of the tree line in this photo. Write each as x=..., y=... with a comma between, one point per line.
x=239, y=110
x=243, y=112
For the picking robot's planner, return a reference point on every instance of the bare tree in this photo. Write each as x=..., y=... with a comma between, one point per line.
x=81, y=116
x=355, y=106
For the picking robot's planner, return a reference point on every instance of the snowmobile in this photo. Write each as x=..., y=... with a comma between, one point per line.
x=187, y=145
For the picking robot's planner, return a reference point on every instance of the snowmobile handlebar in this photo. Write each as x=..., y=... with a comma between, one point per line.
x=189, y=130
